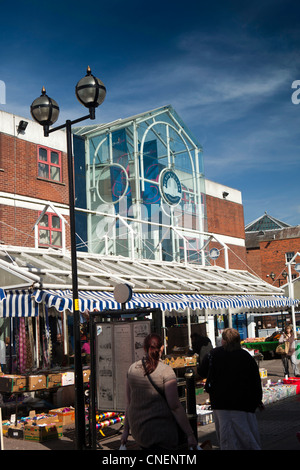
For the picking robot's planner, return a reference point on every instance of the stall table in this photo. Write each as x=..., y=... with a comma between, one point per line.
x=262, y=346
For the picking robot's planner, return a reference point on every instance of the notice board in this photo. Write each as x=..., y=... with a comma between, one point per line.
x=117, y=346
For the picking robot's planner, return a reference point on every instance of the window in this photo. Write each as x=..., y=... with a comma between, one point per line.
x=49, y=164
x=50, y=230
x=289, y=255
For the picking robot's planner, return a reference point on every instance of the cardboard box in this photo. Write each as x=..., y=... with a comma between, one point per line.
x=67, y=378
x=53, y=380
x=42, y=418
x=36, y=382
x=175, y=362
x=65, y=415
x=16, y=433
x=86, y=375
x=5, y=427
x=180, y=361
x=191, y=360
x=12, y=383
x=42, y=433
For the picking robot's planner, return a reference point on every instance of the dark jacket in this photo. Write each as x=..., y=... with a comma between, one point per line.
x=234, y=379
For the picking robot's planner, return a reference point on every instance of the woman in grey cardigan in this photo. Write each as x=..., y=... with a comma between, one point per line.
x=153, y=408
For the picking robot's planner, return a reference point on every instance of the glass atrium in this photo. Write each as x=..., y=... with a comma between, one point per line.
x=145, y=191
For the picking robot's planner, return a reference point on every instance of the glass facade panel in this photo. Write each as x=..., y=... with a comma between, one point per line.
x=145, y=181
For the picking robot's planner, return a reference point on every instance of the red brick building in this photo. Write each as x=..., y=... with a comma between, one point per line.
x=225, y=218
x=33, y=172
x=270, y=243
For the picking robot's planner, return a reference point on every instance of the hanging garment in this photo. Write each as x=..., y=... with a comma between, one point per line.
x=22, y=346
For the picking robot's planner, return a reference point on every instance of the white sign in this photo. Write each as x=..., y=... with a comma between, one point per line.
x=297, y=267
x=170, y=187
x=214, y=253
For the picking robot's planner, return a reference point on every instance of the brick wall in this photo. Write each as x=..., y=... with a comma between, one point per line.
x=236, y=256
x=19, y=176
x=227, y=218
x=272, y=255
x=266, y=252
x=254, y=261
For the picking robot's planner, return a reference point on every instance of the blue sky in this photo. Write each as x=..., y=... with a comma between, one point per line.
x=227, y=67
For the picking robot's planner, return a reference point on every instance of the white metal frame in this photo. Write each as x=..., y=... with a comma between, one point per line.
x=151, y=119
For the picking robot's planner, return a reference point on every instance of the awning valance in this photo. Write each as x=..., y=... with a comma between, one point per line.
x=2, y=294
x=18, y=303
x=95, y=300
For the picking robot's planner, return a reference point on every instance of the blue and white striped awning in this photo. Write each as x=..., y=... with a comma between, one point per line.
x=2, y=294
x=20, y=303
x=215, y=302
x=95, y=300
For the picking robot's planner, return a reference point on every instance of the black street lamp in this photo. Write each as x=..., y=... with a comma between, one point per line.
x=91, y=92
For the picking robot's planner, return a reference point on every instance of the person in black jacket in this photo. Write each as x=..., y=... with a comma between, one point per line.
x=201, y=345
x=234, y=386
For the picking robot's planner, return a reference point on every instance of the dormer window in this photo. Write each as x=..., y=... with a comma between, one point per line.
x=50, y=230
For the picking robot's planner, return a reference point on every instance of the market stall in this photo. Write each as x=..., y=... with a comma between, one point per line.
x=261, y=346
x=36, y=314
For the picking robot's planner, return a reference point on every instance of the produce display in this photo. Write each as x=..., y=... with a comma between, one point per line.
x=180, y=361
x=263, y=344
x=41, y=427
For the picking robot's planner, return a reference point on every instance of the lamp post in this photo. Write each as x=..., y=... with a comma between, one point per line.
x=91, y=92
x=284, y=275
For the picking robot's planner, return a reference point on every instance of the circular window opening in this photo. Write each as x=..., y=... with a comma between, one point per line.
x=112, y=183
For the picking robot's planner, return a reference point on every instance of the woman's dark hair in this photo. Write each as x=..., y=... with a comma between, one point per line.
x=152, y=346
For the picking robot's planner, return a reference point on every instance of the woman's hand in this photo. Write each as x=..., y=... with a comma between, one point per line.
x=124, y=437
x=192, y=442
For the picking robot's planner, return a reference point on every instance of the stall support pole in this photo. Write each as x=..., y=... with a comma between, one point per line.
x=229, y=318
x=189, y=328
x=191, y=400
x=92, y=405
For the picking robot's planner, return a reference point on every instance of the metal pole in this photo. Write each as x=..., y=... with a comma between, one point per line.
x=93, y=432
x=191, y=400
x=291, y=295
x=79, y=392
